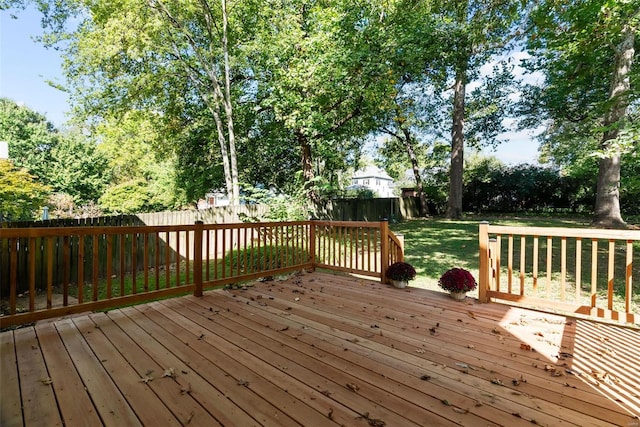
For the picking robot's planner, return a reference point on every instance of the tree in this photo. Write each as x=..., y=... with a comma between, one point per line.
x=67, y=162
x=21, y=196
x=586, y=51
x=77, y=168
x=164, y=57
x=476, y=31
x=322, y=74
x=30, y=136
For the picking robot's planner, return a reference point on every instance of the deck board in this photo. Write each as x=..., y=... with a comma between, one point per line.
x=75, y=403
x=318, y=349
x=10, y=405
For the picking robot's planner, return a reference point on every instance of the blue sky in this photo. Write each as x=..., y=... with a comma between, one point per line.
x=25, y=67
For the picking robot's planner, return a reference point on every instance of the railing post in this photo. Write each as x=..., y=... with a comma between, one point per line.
x=384, y=250
x=197, y=257
x=483, y=279
x=400, y=251
x=312, y=243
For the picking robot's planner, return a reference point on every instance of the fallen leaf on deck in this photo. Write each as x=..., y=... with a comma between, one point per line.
x=445, y=402
x=169, y=373
x=186, y=390
x=374, y=422
x=286, y=328
x=460, y=410
x=420, y=350
x=46, y=381
x=353, y=387
x=524, y=346
x=425, y=377
x=496, y=381
x=243, y=383
x=470, y=346
x=146, y=380
x=471, y=314
x=496, y=331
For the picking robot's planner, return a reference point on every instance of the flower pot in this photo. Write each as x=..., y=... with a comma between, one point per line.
x=399, y=283
x=458, y=295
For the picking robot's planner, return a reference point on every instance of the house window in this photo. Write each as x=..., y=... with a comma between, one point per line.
x=378, y=182
x=365, y=182
x=355, y=181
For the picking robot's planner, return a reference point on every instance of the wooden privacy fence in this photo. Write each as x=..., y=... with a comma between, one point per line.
x=79, y=269
x=586, y=271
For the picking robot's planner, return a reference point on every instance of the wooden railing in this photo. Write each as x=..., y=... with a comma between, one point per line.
x=586, y=271
x=81, y=269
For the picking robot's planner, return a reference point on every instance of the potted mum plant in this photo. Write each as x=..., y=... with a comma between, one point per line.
x=458, y=282
x=400, y=273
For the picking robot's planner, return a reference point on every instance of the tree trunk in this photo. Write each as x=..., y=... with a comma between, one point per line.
x=607, y=209
x=423, y=210
x=234, y=191
x=454, y=210
x=307, y=170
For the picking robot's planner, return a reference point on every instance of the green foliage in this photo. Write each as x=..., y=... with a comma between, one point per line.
x=492, y=187
x=77, y=168
x=360, y=193
x=21, y=196
x=282, y=207
x=128, y=197
x=30, y=136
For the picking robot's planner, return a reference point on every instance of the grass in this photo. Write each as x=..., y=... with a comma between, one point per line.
x=235, y=263
x=436, y=245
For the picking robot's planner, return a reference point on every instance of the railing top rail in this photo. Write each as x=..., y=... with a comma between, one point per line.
x=584, y=233
x=90, y=231
x=368, y=224
x=115, y=229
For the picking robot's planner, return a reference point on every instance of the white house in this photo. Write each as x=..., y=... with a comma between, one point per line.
x=373, y=178
x=212, y=200
x=4, y=150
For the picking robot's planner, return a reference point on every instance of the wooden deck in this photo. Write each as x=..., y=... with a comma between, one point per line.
x=315, y=350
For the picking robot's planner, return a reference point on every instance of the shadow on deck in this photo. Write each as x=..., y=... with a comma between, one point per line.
x=319, y=349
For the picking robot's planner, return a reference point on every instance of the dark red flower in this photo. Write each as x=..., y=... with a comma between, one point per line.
x=401, y=271
x=457, y=280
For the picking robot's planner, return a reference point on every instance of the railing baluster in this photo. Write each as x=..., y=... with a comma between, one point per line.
x=578, y=269
x=535, y=265
x=96, y=267
x=628, y=281
x=523, y=264
x=81, y=250
x=563, y=268
x=549, y=265
x=611, y=274
x=594, y=273
x=510, y=265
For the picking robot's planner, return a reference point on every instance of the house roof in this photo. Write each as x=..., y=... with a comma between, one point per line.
x=372, y=172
